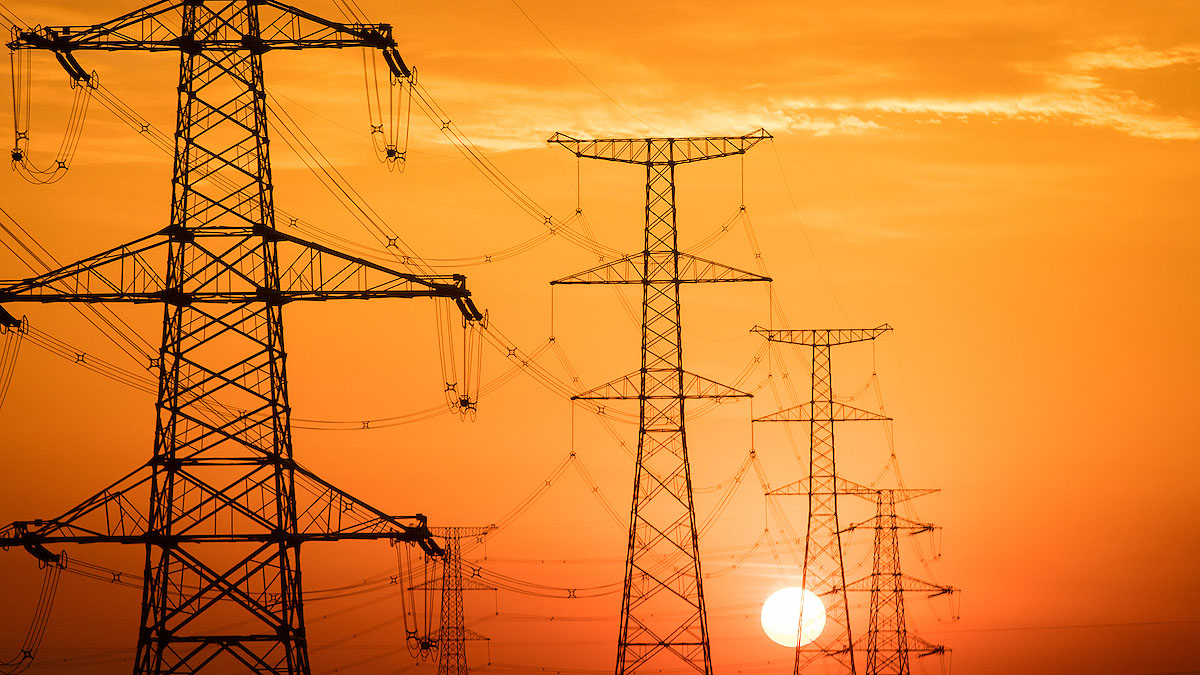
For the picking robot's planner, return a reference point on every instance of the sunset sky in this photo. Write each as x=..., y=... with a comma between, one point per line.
x=1012, y=186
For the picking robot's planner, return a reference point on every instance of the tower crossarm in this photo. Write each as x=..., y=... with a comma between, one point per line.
x=307, y=271
x=660, y=150
x=899, y=523
x=477, y=531
x=327, y=513
x=922, y=647
x=875, y=494
x=161, y=26
x=908, y=584
x=324, y=513
x=914, y=644
x=633, y=387
x=803, y=486
x=825, y=411
x=127, y=270
x=643, y=268
x=826, y=337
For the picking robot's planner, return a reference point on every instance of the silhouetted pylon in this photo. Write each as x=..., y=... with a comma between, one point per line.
x=222, y=507
x=453, y=634
x=823, y=572
x=662, y=607
x=889, y=642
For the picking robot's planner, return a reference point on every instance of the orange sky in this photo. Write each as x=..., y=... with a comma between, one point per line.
x=1011, y=186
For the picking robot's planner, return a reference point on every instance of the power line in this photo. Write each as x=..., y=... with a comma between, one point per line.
x=579, y=70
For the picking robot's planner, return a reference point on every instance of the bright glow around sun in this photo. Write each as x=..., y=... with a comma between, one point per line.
x=781, y=616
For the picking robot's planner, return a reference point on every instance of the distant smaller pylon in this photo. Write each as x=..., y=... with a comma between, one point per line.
x=451, y=637
x=889, y=644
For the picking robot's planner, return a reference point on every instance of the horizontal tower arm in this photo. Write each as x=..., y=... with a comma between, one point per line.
x=632, y=270
x=846, y=487
x=908, y=584
x=324, y=513
x=900, y=523
x=160, y=27
x=827, y=337
x=307, y=271
x=660, y=150
x=629, y=387
x=822, y=411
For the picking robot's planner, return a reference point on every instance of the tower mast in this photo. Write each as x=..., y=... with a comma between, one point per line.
x=823, y=572
x=889, y=642
x=222, y=507
x=663, y=620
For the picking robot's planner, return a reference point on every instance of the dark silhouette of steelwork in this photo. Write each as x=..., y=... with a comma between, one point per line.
x=222, y=471
x=453, y=634
x=889, y=643
x=662, y=608
x=823, y=572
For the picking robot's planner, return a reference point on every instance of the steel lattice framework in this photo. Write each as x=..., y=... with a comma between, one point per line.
x=889, y=643
x=452, y=637
x=453, y=633
x=662, y=608
x=222, y=470
x=823, y=572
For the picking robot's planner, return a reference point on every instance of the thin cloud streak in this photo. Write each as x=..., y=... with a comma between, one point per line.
x=1069, y=91
x=1136, y=57
x=1124, y=113
x=1076, y=95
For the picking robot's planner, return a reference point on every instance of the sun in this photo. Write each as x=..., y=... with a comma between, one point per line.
x=781, y=616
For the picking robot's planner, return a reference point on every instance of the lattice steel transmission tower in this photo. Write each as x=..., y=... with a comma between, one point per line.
x=823, y=572
x=453, y=633
x=222, y=507
x=662, y=608
x=889, y=643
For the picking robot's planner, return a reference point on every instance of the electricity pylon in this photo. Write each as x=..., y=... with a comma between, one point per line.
x=453, y=633
x=662, y=607
x=889, y=643
x=823, y=572
x=222, y=470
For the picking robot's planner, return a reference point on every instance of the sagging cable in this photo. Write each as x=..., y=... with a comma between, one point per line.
x=83, y=84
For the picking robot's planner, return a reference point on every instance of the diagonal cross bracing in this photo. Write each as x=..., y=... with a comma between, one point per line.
x=889, y=644
x=222, y=469
x=823, y=572
x=663, y=621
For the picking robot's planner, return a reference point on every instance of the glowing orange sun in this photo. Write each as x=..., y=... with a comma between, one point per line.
x=781, y=616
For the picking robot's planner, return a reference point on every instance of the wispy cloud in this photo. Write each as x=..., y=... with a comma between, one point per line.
x=1121, y=112
x=1135, y=57
x=530, y=115
x=1076, y=88
x=1073, y=92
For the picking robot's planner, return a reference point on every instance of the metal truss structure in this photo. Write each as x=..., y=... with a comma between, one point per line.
x=663, y=621
x=889, y=644
x=823, y=572
x=222, y=470
x=453, y=634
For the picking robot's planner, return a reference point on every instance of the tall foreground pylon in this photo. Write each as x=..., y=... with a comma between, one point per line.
x=663, y=622
x=823, y=573
x=222, y=507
